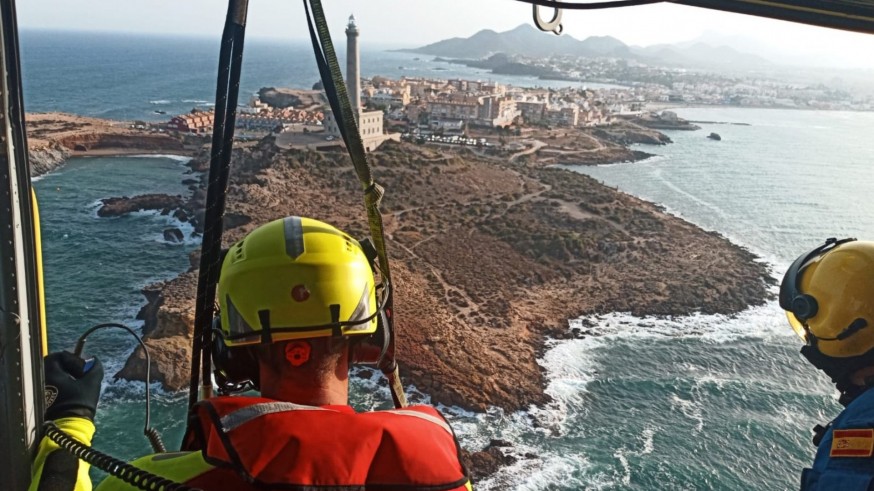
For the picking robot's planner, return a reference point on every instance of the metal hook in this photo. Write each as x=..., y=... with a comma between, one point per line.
x=553, y=25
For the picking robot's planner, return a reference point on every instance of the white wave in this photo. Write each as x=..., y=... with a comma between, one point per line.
x=765, y=322
x=689, y=409
x=195, y=101
x=160, y=102
x=94, y=207
x=542, y=473
x=57, y=171
x=649, y=160
x=648, y=443
x=625, y=479
x=189, y=237
x=622, y=454
x=179, y=158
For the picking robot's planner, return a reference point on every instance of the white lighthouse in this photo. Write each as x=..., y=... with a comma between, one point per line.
x=370, y=123
x=353, y=66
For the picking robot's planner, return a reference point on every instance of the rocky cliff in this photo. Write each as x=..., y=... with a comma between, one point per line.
x=54, y=137
x=46, y=158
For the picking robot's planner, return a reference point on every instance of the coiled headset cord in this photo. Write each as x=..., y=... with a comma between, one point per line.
x=126, y=472
x=151, y=433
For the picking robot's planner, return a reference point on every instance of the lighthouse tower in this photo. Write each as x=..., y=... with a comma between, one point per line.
x=370, y=123
x=353, y=70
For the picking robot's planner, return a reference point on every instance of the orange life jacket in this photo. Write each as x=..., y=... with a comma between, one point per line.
x=288, y=446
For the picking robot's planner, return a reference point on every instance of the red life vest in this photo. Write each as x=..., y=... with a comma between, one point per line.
x=289, y=446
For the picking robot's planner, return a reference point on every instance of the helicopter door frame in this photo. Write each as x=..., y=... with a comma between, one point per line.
x=21, y=336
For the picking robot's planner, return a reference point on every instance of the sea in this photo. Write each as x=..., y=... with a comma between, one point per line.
x=688, y=402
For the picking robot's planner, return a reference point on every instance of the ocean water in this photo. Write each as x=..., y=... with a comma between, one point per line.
x=133, y=77
x=696, y=402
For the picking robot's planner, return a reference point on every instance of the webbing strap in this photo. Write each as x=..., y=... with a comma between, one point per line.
x=338, y=98
x=227, y=91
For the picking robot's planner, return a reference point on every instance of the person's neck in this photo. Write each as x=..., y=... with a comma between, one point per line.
x=308, y=396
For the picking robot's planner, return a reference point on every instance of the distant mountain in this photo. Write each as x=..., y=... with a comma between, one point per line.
x=524, y=40
x=527, y=41
x=701, y=55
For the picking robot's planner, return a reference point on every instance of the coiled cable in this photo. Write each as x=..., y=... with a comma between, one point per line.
x=128, y=473
x=152, y=434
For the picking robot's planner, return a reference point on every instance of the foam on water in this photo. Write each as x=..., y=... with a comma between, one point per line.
x=178, y=158
x=528, y=474
x=764, y=322
x=654, y=159
x=190, y=236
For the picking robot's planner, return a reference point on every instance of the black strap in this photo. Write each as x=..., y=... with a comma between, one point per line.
x=227, y=90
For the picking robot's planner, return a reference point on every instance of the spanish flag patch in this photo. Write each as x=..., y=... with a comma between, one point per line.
x=852, y=443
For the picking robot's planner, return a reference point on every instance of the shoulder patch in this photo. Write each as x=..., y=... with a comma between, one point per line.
x=852, y=443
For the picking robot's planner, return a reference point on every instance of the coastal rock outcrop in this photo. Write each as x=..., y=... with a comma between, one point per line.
x=627, y=133
x=491, y=256
x=46, y=158
x=173, y=234
x=167, y=333
x=121, y=206
x=666, y=120
x=54, y=137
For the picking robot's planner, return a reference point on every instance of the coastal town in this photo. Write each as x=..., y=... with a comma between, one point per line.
x=471, y=112
x=421, y=107
x=482, y=112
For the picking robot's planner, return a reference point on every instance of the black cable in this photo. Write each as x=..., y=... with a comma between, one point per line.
x=151, y=433
x=227, y=91
x=590, y=6
x=128, y=473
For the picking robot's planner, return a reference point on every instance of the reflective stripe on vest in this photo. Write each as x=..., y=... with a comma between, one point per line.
x=281, y=444
x=241, y=416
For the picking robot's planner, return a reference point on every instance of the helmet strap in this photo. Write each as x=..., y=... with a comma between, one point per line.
x=264, y=318
x=336, y=331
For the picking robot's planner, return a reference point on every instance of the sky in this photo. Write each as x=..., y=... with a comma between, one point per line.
x=411, y=23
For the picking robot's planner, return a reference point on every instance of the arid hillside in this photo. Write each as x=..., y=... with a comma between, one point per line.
x=490, y=257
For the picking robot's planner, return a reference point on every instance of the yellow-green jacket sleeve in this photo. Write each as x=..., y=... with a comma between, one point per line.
x=55, y=468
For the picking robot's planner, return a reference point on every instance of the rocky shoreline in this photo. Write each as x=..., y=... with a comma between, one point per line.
x=54, y=137
x=493, y=250
x=491, y=256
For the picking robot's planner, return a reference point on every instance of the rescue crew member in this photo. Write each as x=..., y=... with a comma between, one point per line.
x=299, y=305
x=828, y=295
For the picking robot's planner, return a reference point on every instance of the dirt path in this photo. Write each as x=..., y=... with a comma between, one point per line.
x=537, y=145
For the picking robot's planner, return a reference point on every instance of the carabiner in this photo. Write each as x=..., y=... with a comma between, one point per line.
x=553, y=25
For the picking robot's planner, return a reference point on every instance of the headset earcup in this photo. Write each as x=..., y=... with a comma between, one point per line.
x=804, y=306
x=234, y=366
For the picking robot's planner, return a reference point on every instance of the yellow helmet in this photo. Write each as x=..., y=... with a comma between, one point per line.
x=829, y=297
x=296, y=278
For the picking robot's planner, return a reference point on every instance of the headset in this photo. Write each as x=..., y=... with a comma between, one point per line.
x=236, y=368
x=802, y=305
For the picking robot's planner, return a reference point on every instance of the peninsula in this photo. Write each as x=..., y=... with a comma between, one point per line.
x=493, y=248
x=492, y=254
